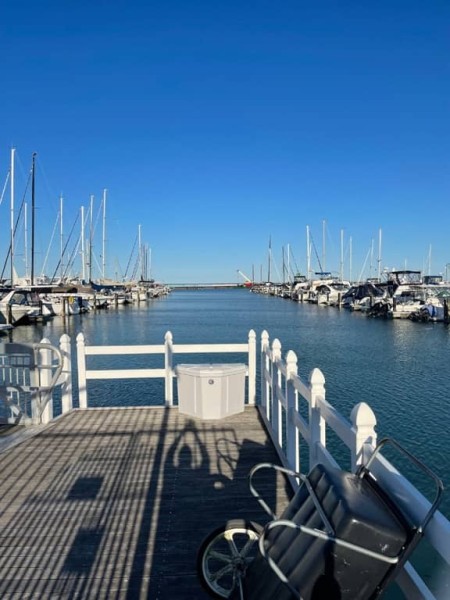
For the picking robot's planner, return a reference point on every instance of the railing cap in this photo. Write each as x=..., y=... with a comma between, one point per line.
x=363, y=416
x=316, y=377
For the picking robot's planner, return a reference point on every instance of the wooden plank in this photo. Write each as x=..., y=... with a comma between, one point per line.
x=116, y=502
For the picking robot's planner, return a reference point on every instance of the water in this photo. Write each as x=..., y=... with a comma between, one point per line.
x=399, y=368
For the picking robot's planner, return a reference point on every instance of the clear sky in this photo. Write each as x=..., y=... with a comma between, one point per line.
x=217, y=125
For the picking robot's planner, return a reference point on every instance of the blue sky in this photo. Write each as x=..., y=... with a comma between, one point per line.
x=216, y=125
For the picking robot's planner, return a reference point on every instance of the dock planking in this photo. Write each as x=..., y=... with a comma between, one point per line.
x=114, y=503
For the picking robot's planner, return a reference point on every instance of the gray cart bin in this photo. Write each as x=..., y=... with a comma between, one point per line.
x=211, y=391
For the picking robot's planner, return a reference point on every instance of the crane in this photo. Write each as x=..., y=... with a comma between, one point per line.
x=248, y=281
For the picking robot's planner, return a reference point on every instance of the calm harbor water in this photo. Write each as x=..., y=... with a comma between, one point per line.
x=400, y=368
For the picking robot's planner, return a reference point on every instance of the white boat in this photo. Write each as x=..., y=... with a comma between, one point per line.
x=63, y=304
x=20, y=306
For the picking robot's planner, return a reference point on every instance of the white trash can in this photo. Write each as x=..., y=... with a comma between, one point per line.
x=211, y=391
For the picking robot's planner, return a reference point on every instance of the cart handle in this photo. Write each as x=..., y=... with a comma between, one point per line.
x=291, y=473
x=365, y=469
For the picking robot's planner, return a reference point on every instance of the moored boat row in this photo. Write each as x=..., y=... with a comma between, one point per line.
x=403, y=294
x=29, y=304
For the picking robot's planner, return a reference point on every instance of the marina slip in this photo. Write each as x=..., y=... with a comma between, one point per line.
x=129, y=435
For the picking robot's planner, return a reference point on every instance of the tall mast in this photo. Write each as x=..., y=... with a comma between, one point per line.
x=350, y=263
x=371, y=259
x=140, y=249
x=269, y=265
x=90, y=237
x=13, y=151
x=150, y=263
x=32, y=215
x=83, y=252
x=25, y=216
x=379, y=254
x=104, y=234
x=308, y=254
x=61, y=236
x=289, y=262
x=342, y=254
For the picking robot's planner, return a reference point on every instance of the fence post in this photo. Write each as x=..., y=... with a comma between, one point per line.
x=168, y=363
x=316, y=421
x=363, y=425
x=81, y=361
x=66, y=388
x=276, y=382
x=264, y=367
x=251, y=367
x=292, y=435
x=43, y=408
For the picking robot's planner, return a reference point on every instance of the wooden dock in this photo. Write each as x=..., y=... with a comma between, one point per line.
x=114, y=503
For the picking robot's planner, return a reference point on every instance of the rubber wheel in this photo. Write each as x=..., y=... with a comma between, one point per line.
x=225, y=554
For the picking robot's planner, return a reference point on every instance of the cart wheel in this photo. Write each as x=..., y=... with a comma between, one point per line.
x=225, y=554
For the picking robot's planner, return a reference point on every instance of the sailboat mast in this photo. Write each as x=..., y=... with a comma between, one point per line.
x=83, y=252
x=289, y=262
x=342, y=254
x=104, y=235
x=350, y=262
x=13, y=151
x=25, y=222
x=90, y=237
x=140, y=250
x=61, y=235
x=379, y=254
x=269, y=265
x=33, y=195
x=308, y=254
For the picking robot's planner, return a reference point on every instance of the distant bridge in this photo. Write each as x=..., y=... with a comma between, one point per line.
x=204, y=286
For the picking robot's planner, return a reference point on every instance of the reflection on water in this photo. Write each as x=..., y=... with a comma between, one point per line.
x=400, y=368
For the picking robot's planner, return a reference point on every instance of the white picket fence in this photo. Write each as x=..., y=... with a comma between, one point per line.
x=283, y=396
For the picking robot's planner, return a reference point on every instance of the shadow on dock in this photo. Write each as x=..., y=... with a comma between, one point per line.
x=114, y=503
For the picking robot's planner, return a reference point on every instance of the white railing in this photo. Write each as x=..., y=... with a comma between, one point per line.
x=169, y=349
x=282, y=393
